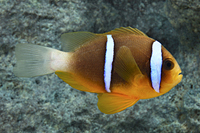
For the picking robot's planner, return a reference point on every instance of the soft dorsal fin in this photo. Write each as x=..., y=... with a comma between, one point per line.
x=114, y=103
x=126, y=30
x=125, y=64
x=73, y=40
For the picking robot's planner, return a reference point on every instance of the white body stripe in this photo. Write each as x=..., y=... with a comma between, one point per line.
x=109, y=54
x=156, y=65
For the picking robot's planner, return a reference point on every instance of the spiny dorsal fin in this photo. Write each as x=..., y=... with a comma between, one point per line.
x=74, y=40
x=114, y=103
x=125, y=64
x=126, y=30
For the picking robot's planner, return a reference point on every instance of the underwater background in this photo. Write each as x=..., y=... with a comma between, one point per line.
x=47, y=104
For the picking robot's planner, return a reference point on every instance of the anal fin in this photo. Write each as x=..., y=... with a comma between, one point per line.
x=114, y=103
x=79, y=83
x=69, y=79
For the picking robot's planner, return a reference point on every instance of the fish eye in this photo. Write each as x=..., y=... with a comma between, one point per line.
x=168, y=64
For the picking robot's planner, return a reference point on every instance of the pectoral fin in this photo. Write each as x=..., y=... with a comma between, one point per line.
x=114, y=103
x=125, y=64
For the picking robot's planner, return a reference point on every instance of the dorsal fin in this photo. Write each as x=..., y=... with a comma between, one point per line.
x=126, y=30
x=74, y=40
x=125, y=64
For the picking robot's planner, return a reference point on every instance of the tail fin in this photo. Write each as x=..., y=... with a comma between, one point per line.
x=34, y=60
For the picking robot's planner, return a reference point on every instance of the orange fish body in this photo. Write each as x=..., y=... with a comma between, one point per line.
x=118, y=65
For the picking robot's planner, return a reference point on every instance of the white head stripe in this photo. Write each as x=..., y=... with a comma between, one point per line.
x=156, y=65
x=108, y=62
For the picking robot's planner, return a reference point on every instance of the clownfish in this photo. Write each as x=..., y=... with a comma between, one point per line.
x=122, y=66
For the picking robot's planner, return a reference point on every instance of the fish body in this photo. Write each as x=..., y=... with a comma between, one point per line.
x=122, y=66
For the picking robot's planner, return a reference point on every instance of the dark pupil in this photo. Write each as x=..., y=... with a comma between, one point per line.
x=169, y=64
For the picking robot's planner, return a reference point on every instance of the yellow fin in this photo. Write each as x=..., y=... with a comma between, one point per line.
x=69, y=79
x=126, y=30
x=74, y=40
x=114, y=103
x=125, y=64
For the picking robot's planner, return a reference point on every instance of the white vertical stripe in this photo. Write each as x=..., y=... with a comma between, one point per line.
x=109, y=54
x=156, y=65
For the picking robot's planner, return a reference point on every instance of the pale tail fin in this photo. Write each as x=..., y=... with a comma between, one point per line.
x=35, y=60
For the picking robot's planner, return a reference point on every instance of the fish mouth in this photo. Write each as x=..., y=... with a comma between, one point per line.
x=180, y=76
